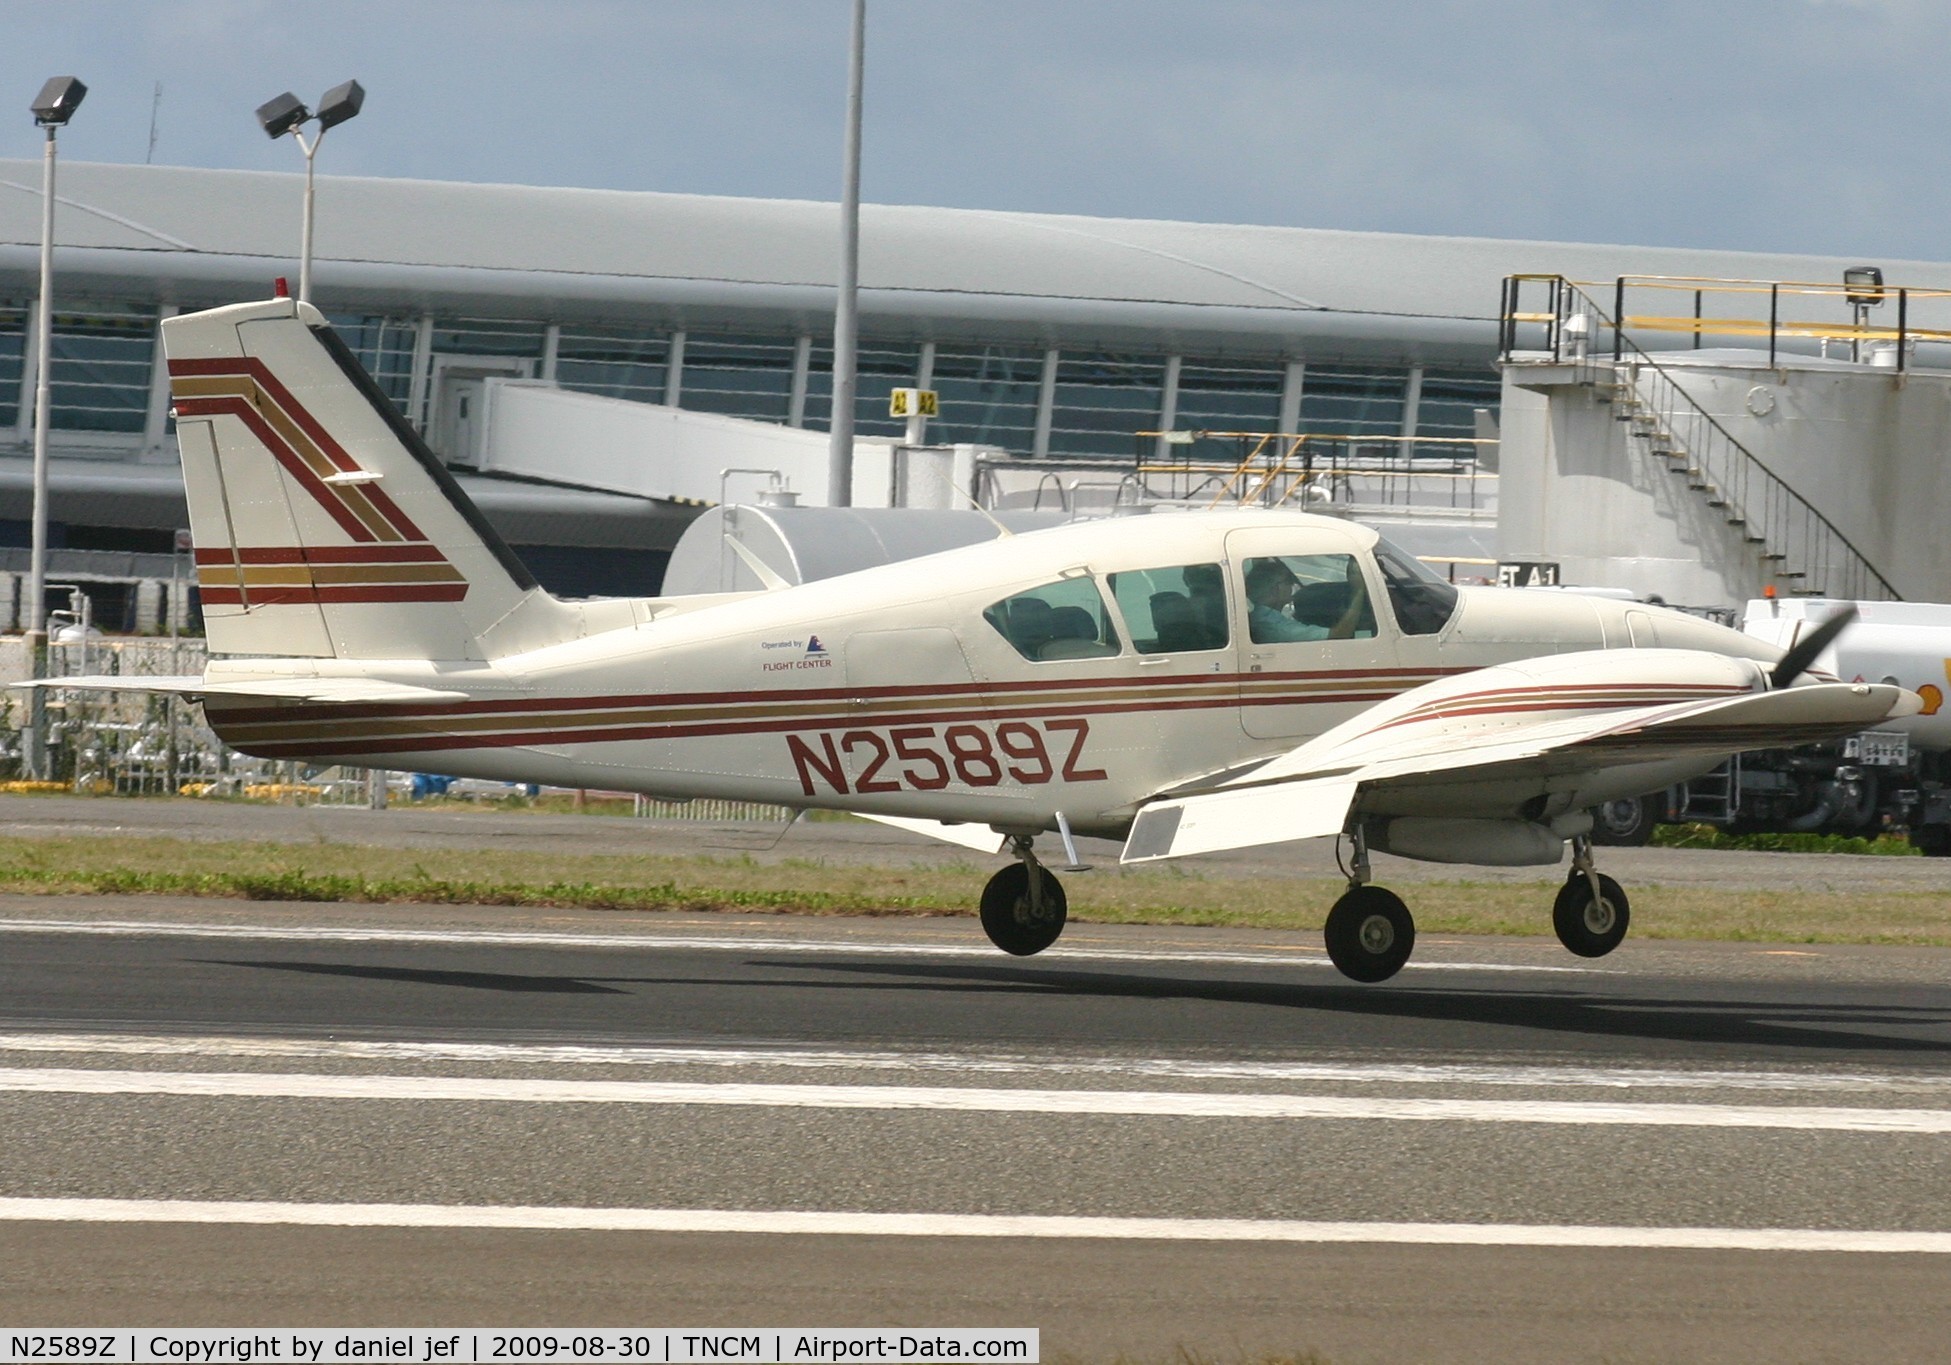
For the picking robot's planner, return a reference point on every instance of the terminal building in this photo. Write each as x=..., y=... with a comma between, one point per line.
x=1048, y=338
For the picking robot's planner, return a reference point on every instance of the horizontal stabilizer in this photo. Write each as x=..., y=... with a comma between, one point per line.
x=277, y=689
x=1240, y=818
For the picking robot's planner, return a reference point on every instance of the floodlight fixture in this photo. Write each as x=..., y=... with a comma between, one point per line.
x=283, y=114
x=340, y=104
x=1864, y=285
x=288, y=114
x=58, y=100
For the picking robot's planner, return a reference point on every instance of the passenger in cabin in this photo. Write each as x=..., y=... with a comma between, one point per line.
x=1206, y=592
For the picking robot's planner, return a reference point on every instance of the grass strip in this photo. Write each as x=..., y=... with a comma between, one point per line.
x=357, y=874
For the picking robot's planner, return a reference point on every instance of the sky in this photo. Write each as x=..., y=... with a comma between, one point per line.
x=1770, y=125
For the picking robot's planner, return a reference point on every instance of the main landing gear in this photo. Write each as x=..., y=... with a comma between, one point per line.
x=1023, y=906
x=1370, y=932
x=1591, y=912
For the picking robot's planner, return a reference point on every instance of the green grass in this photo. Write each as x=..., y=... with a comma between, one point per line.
x=573, y=880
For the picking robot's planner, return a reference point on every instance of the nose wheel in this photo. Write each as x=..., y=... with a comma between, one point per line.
x=1024, y=906
x=1591, y=913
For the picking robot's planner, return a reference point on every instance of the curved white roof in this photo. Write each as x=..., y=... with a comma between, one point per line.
x=531, y=251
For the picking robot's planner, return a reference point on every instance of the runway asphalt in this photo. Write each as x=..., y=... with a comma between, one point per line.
x=221, y=1113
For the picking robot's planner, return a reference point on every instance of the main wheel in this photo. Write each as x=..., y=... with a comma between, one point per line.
x=1370, y=934
x=1591, y=927
x=1011, y=922
x=1627, y=822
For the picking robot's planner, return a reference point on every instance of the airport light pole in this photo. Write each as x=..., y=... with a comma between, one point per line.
x=288, y=114
x=840, y=432
x=53, y=107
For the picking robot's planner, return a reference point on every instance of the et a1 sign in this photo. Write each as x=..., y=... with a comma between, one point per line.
x=1528, y=573
x=911, y=403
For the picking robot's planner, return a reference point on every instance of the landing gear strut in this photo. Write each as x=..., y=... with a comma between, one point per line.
x=1370, y=932
x=1591, y=912
x=1023, y=906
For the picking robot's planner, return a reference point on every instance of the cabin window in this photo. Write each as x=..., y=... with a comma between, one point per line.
x=1423, y=602
x=1170, y=611
x=1307, y=597
x=1066, y=619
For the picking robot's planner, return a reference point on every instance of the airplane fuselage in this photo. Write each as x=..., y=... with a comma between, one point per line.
x=947, y=687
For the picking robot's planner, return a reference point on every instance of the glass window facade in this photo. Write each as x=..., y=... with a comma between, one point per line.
x=13, y=349
x=1229, y=395
x=989, y=392
x=478, y=336
x=1341, y=400
x=102, y=362
x=988, y=396
x=613, y=362
x=1450, y=400
x=385, y=347
x=1102, y=400
x=738, y=376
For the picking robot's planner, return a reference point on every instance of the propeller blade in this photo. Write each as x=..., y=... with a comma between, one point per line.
x=1803, y=652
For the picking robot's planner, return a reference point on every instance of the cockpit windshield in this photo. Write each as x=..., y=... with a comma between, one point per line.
x=1423, y=602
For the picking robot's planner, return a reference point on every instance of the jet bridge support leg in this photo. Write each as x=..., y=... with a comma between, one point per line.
x=1024, y=906
x=1591, y=913
x=1370, y=932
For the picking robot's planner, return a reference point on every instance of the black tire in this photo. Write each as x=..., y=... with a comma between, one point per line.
x=1370, y=934
x=1628, y=822
x=1009, y=919
x=1586, y=927
x=1933, y=841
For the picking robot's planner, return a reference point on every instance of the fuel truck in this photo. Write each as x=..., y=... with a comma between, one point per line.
x=1893, y=779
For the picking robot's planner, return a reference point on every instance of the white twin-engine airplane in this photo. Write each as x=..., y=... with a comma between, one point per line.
x=1188, y=683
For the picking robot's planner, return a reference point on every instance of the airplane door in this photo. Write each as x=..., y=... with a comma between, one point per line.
x=1316, y=644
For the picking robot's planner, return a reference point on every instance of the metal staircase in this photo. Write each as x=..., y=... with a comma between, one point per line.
x=1795, y=548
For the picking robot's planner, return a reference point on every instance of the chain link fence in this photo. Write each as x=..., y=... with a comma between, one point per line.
x=157, y=744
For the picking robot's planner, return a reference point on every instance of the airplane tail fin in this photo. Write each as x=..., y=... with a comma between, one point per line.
x=323, y=525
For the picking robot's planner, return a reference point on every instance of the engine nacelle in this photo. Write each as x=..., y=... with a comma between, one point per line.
x=1488, y=843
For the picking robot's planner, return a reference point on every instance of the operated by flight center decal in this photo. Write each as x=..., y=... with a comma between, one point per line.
x=791, y=655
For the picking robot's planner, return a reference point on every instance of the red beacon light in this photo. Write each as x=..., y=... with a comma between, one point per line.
x=280, y=288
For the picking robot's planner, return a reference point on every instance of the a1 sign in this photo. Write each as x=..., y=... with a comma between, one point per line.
x=911, y=403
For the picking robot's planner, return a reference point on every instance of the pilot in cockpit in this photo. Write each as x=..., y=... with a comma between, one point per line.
x=1271, y=588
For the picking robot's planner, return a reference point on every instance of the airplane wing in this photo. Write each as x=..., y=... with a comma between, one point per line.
x=1544, y=721
x=273, y=689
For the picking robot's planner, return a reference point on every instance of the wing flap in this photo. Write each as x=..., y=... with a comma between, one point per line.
x=981, y=838
x=1275, y=813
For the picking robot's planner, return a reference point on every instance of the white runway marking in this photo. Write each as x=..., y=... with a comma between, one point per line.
x=512, y=938
x=1162, y=1104
x=993, y=1063
x=962, y=1225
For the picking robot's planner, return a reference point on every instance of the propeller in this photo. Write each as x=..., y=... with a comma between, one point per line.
x=1803, y=652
